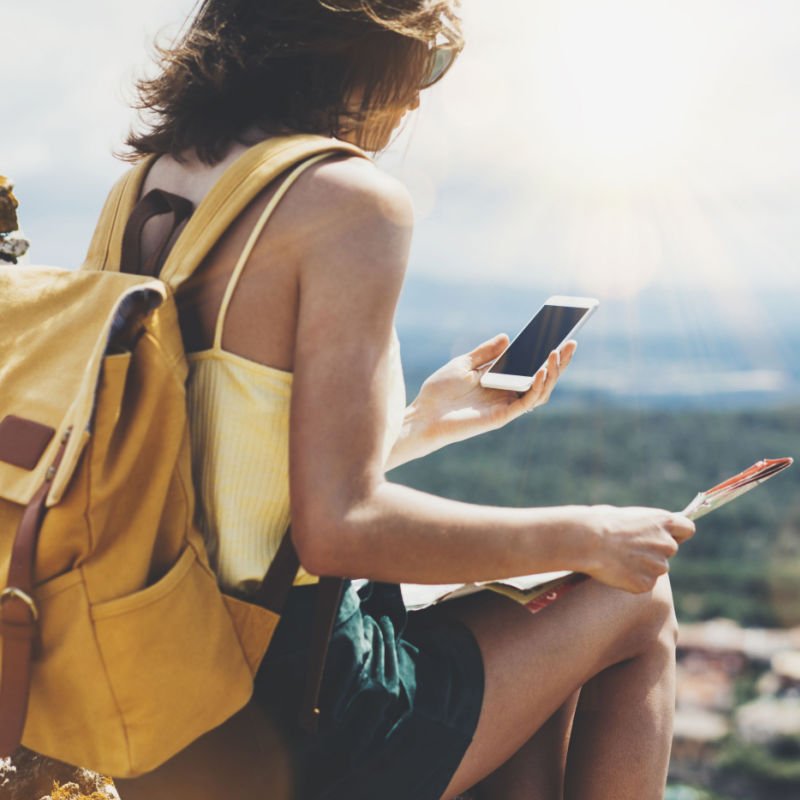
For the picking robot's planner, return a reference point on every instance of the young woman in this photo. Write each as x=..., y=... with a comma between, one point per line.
x=576, y=701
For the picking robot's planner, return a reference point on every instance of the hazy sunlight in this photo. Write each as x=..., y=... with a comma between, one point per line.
x=620, y=83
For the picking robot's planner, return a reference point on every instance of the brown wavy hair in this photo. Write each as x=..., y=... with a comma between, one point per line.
x=284, y=66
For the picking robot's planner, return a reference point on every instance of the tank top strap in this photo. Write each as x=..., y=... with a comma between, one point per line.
x=253, y=238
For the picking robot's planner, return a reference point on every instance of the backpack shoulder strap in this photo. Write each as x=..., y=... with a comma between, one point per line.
x=253, y=238
x=154, y=204
x=105, y=248
x=253, y=171
x=248, y=175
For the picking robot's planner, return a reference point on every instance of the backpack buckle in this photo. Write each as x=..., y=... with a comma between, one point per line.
x=13, y=591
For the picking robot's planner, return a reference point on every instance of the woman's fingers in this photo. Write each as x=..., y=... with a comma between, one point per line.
x=567, y=351
x=528, y=400
x=553, y=374
x=558, y=361
x=549, y=373
x=679, y=527
x=488, y=350
x=546, y=378
x=535, y=395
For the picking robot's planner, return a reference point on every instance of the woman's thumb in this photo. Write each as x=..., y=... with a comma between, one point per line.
x=488, y=350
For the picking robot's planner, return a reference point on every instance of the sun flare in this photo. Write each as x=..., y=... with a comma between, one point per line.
x=620, y=82
x=617, y=136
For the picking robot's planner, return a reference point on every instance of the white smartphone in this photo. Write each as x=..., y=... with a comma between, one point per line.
x=556, y=321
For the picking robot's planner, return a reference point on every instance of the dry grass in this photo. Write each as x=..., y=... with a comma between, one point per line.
x=72, y=791
x=29, y=776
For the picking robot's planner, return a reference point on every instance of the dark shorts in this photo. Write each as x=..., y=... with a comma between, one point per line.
x=400, y=698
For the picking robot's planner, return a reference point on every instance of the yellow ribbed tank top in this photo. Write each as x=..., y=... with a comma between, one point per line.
x=239, y=423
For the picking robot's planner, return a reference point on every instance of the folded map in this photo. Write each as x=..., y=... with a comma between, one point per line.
x=536, y=592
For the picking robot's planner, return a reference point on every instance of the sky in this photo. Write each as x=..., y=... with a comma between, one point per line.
x=578, y=146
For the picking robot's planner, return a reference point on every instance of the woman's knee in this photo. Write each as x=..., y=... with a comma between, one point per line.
x=651, y=621
x=658, y=625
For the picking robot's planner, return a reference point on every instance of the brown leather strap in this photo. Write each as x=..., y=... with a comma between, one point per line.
x=19, y=616
x=280, y=576
x=329, y=595
x=272, y=594
x=154, y=203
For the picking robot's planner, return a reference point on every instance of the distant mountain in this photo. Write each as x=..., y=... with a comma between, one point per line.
x=668, y=347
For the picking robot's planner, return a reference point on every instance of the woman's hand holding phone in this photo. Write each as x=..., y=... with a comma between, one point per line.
x=553, y=325
x=452, y=405
x=544, y=381
x=462, y=400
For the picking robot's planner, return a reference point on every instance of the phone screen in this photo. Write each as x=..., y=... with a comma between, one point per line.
x=543, y=334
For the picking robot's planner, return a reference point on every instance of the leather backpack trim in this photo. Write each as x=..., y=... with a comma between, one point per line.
x=19, y=615
x=23, y=441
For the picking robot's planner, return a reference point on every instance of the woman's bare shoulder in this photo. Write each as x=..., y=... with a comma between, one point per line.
x=345, y=217
x=350, y=189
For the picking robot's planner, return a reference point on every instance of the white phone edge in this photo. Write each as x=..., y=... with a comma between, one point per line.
x=521, y=383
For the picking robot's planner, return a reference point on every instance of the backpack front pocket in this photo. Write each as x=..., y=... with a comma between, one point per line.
x=173, y=660
x=72, y=715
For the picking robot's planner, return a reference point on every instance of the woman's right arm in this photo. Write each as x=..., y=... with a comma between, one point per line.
x=353, y=230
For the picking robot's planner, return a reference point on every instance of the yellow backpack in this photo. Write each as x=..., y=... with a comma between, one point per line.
x=118, y=647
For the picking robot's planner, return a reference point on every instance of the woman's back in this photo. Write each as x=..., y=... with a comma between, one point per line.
x=262, y=318
x=239, y=386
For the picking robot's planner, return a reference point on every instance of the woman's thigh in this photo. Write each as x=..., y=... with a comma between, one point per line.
x=534, y=662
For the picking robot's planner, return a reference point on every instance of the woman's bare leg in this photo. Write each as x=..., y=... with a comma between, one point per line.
x=534, y=663
x=635, y=696
x=536, y=770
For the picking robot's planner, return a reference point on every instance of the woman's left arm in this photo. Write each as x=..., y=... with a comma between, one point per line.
x=452, y=405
